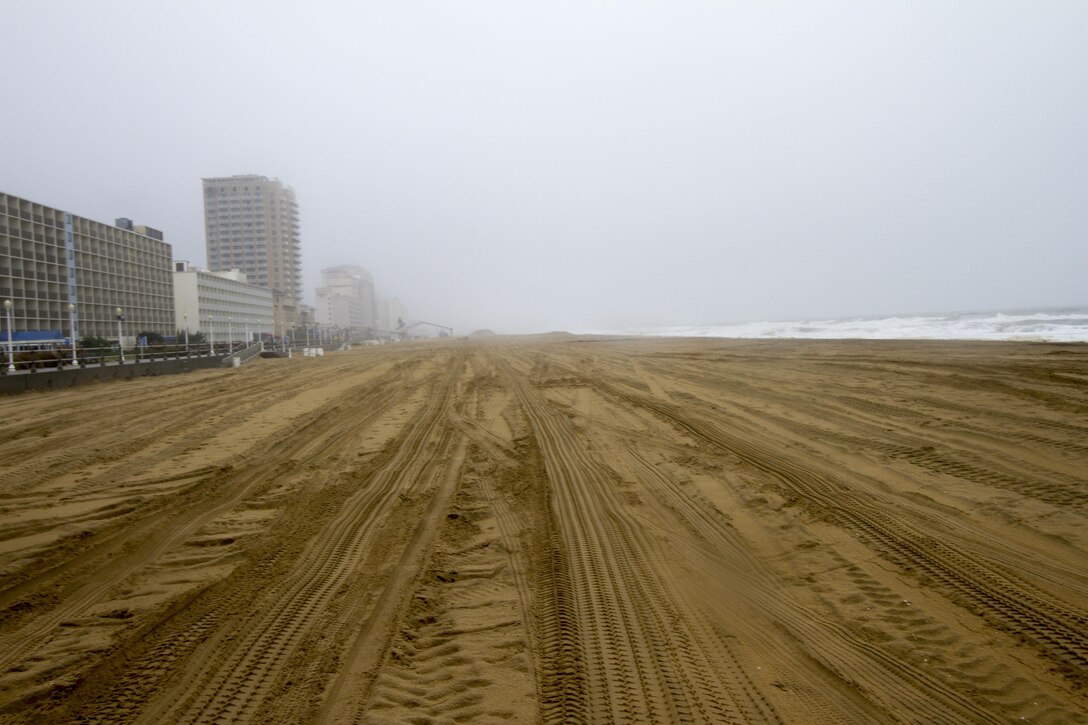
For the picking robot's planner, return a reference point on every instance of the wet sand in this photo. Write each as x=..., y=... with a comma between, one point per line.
x=555, y=529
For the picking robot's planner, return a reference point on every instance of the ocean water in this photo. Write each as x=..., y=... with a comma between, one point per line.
x=1050, y=325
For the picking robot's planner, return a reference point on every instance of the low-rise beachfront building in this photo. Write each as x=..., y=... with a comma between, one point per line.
x=222, y=305
x=62, y=271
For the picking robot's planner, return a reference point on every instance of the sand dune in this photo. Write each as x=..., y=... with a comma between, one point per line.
x=560, y=529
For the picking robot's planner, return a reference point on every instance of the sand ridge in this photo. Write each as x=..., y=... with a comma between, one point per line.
x=557, y=529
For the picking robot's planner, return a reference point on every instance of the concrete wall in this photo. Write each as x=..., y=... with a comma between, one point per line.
x=70, y=377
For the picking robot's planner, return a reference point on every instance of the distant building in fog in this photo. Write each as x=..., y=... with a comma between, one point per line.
x=392, y=314
x=346, y=298
x=251, y=223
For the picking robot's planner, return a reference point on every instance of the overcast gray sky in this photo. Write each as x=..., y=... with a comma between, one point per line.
x=554, y=165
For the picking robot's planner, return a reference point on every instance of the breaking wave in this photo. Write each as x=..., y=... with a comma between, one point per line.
x=1064, y=325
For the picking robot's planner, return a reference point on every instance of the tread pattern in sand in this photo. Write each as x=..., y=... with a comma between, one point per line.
x=555, y=530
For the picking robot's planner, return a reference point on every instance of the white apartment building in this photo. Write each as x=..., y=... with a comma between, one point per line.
x=222, y=305
x=392, y=314
x=337, y=310
x=346, y=298
x=51, y=259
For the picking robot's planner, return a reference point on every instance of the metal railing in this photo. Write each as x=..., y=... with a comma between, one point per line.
x=245, y=353
x=43, y=360
x=25, y=359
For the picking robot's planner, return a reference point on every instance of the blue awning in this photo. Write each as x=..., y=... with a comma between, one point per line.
x=35, y=336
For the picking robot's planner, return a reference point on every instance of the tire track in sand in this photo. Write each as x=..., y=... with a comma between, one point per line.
x=239, y=680
x=1059, y=632
x=224, y=489
x=314, y=443
x=627, y=617
x=888, y=681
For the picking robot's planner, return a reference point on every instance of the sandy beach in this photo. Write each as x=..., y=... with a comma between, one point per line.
x=555, y=529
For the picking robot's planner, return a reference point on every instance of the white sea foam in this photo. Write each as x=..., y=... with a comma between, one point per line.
x=1064, y=325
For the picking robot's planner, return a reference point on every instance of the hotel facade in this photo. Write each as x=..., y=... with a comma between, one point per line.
x=51, y=259
x=251, y=223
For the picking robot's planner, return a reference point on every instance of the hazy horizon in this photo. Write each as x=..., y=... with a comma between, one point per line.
x=534, y=167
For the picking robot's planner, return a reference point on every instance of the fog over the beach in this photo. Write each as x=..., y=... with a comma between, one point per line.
x=536, y=166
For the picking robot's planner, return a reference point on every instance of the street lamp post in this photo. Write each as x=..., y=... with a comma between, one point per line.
x=211, y=334
x=72, y=324
x=8, y=304
x=120, y=341
x=186, y=335
x=230, y=334
x=247, y=332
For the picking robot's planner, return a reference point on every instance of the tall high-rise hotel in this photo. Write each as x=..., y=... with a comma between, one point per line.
x=251, y=224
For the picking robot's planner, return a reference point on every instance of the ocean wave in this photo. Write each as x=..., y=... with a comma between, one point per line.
x=1069, y=325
